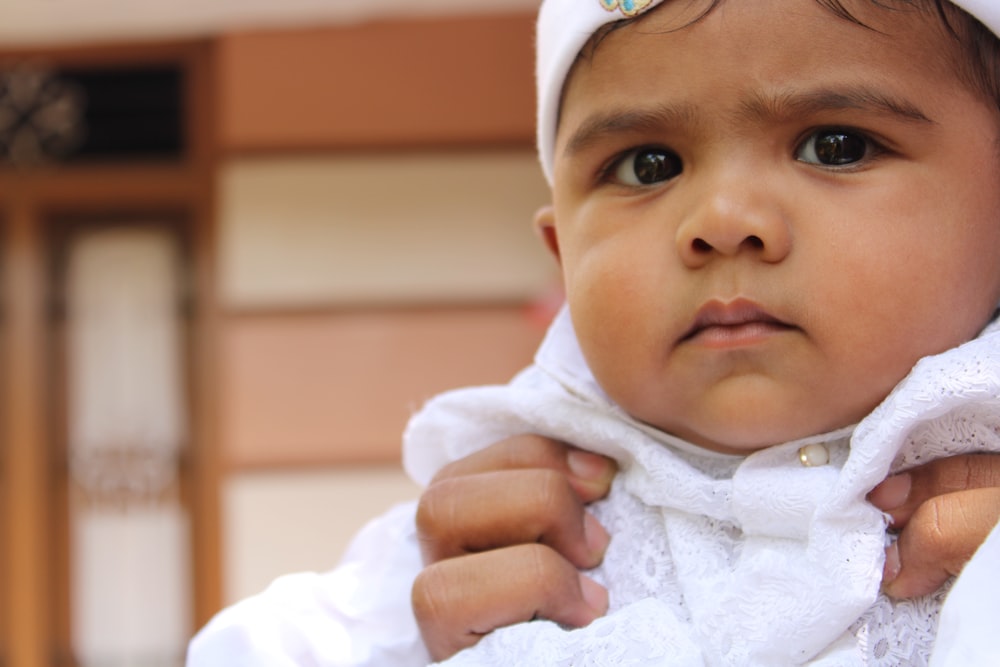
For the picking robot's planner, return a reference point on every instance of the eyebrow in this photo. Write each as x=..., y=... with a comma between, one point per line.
x=786, y=106
x=602, y=125
x=780, y=107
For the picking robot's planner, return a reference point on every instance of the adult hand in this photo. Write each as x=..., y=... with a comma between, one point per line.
x=943, y=511
x=504, y=534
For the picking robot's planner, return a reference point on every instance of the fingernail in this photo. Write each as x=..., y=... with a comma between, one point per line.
x=595, y=595
x=892, y=564
x=596, y=537
x=892, y=493
x=587, y=465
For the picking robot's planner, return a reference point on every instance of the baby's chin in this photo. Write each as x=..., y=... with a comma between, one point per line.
x=749, y=414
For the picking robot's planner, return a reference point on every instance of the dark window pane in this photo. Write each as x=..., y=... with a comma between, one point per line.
x=96, y=114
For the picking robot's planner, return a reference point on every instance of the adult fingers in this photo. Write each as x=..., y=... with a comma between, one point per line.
x=491, y=510
x=457, y=601
x=589, y=474
x=901, y=495
x=939, y=537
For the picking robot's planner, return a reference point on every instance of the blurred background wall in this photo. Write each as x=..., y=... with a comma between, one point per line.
x=241, y=244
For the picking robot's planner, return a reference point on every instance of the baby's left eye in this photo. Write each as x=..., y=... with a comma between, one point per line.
x=834, y=148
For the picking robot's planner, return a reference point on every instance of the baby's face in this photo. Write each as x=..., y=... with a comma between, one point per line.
x=765, y=218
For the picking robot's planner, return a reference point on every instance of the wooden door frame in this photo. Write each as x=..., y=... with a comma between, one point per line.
x=30, y=603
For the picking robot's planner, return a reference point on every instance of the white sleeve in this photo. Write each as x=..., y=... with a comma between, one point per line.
x=357, y=615
x=967, y=632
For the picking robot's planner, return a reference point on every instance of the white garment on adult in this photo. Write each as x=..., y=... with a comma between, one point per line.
x=714, y=560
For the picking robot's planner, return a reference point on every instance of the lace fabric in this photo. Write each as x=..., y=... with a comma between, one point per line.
x=719, y=560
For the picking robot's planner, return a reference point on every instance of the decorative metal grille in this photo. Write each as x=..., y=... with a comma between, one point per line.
x=41, y=116
x=77, y=115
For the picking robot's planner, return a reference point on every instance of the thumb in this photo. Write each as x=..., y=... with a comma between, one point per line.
x=939, y=539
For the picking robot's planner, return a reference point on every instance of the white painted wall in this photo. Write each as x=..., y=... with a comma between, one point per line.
x=382, y=229
x=279, y=522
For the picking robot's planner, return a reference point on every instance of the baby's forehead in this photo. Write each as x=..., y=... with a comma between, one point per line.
x=820, y=50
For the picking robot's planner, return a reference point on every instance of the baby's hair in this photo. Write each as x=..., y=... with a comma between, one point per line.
x=980, y=69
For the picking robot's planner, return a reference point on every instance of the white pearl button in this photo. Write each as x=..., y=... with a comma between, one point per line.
x=814, y=455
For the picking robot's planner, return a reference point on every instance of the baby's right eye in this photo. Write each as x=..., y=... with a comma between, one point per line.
x=646, y=166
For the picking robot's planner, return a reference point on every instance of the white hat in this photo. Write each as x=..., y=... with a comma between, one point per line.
x=564, y=26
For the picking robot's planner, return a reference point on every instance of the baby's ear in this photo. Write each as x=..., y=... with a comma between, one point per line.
x=545, y=226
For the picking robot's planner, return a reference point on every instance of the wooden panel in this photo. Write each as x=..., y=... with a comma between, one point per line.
x=446, y=81
x=326, y=388
x=25, y=588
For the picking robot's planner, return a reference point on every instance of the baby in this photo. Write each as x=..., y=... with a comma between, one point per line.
x=778, y=223
x=756, y=251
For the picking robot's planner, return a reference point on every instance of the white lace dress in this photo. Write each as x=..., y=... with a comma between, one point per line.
x=719, y=560
x=714, y=560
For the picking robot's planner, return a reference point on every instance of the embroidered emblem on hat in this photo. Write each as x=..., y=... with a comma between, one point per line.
x=627, y=7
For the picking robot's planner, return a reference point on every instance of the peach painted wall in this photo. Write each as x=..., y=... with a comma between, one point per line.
x=329, y=388
x=444, y=82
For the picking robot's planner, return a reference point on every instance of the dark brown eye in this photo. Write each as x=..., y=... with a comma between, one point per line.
x=647, y=166
x=833, y=148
